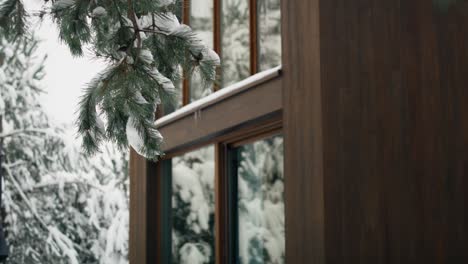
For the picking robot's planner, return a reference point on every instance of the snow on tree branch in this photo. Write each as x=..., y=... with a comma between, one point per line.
x=145, y=47
x=61, y=206
x=27, y=131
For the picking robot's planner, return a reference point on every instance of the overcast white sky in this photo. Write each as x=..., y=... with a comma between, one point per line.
x=65, y=75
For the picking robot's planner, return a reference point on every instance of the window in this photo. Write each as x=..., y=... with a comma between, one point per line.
x=247, y=200
x=269, y=34
x=202, y=22
x=235, y=36
x=193, y=207
x=245, y=33
x=258, y=171
x=217, y=197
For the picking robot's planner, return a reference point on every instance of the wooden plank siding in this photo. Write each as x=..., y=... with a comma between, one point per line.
x=395, y=117
x=302, y=128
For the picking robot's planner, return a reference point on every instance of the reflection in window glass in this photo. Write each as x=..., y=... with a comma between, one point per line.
x=202, y=22
x=235, y=41
x=269, y=33
x=193, y=207
x=260, y=202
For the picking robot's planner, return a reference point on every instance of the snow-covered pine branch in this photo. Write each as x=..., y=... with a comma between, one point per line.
x=145, y=47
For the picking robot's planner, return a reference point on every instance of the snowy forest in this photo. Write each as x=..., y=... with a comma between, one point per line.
x=59, y=206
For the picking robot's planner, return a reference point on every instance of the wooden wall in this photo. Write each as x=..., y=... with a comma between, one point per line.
x=392, y=136
x=375, y=107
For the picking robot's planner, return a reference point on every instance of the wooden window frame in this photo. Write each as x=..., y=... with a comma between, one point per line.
x=224, y=219
x=274, y=98
x=217, y=40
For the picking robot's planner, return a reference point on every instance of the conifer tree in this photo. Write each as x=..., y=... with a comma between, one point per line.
x=61, y=207
x=145, y=48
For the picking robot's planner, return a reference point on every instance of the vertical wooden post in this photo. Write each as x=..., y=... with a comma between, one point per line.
x=217, y=34
x=186, y=10
x=138, y=209
x=304, y=195
x=253, y=24
x=221, y=204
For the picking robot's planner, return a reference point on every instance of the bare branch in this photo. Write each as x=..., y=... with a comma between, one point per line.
x=25, y=131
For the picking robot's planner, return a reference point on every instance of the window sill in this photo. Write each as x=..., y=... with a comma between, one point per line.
x=219, y=96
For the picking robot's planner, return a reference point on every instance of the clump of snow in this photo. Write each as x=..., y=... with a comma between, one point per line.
x=99, y=12
x=65, y=245
x=167, y=22
x=162, y=80
x=212, y=56
x=133, y=137
x=146, y=56
x=129, y=59
x=139, y=98
x=2, y=103
x=190, y=253
x=163, y=3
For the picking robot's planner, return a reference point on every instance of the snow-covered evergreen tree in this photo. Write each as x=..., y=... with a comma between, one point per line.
x=61, y=206
x=261, y=202
x=235, y=41
x=193, y=205
x=145, y=47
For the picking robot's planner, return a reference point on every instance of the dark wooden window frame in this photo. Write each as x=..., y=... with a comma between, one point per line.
x=217, y=41
x=238, y=118
x=296, y=97
x=224, y=188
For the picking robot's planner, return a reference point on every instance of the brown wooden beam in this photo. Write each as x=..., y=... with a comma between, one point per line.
x=221, y=204
x=253, y=25
x=217, y=34
x=258, y=101
x=304, y=176
x=138, y=209
x=186, y=75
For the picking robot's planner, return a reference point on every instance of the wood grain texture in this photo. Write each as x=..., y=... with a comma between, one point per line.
x=253, y=29
x=138, y=209
x=154, y=228
x=221, y=205
x=304, y=197
x=394, y=102
x=257, y=102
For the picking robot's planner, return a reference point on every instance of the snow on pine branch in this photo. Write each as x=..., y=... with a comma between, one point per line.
x=145, y=47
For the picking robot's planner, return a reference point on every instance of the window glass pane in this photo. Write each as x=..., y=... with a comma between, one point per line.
x=269, y=33
x=202, y=22
x=171, y=106
x=260, y=202
x=235, y=41
x=193, y=207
